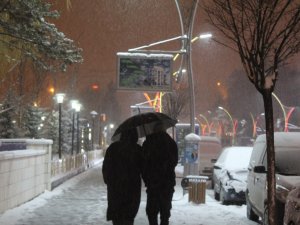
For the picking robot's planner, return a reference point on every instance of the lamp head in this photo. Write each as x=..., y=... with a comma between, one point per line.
x=59, y=97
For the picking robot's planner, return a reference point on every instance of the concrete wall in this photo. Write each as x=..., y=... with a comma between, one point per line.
x=24, y=174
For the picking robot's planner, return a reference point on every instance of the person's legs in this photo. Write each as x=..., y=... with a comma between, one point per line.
x=165, y=206
x=128, y=222
x=122, y=222
x=117, y=222
x=152, y=207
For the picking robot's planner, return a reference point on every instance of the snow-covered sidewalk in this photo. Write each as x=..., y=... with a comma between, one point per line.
x=82, y=200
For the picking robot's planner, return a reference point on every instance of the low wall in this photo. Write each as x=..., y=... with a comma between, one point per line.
x=24, y=174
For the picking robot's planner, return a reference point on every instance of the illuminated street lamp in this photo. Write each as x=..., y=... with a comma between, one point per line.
x=59, y=99
x=202, y=36
x=93, y=114
x=190, y=72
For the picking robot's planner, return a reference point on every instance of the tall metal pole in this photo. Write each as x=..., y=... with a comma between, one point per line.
x=187, y=27
x=93, y=114
x=78, y=139
x=59, y=98
x=93, y=132
x=232, y=123
x=73, y=131
x=59, y=130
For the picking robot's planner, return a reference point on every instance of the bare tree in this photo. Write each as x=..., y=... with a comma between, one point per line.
x=265, y=34
x=174, y=102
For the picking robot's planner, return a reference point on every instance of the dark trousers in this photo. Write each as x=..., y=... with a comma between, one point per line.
x=159, y=202
x=122, y=222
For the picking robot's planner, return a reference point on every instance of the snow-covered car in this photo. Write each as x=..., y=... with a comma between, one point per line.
x=287, y=172
x=292, y=207
x=230, y=174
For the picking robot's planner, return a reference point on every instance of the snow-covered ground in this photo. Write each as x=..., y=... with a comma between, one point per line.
x=82, y=200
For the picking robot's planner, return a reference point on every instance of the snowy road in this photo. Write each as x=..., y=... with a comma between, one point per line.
x=82, y=200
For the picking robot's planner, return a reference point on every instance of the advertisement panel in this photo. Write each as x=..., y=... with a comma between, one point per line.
x=144, y=72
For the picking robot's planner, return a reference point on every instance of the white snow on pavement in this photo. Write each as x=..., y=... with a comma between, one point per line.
x=183, y=212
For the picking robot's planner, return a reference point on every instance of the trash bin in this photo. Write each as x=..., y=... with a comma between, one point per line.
x=197, y=188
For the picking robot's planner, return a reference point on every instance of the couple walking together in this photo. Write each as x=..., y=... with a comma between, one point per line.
x=124, y=164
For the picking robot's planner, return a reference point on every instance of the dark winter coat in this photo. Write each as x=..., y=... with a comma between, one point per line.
x=122, y=174
x=161, y=157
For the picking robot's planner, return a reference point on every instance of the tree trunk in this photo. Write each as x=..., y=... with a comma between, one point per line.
x=271, y=203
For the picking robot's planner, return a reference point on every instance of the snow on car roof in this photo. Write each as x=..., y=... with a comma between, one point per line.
x=236, y=157
x=291, y=139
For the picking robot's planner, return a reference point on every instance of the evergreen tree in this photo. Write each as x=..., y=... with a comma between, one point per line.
x=66, y=132
x=7, y=116
x=50, y=129
x=7, y=128
x=32, y=121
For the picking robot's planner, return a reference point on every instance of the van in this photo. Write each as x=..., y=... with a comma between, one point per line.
x=287, y=169
x=208, y=152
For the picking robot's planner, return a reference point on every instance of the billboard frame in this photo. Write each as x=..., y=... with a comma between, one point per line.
x=144, y=72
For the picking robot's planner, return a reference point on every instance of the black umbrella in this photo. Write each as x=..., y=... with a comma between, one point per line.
x=145, y=123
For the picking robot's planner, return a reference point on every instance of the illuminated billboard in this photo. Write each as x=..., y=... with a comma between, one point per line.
x=144, y=72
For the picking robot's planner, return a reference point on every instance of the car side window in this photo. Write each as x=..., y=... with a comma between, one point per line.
x=264, y=159
x=257, y=154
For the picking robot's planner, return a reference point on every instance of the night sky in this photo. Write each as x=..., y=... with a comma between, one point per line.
x=102, y=28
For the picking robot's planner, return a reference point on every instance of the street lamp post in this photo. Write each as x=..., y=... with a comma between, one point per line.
x=73, y=106
x=93, y=114
x=186, y=17
x=206, y=121
x=59, y=100
x=187, y=23
x=77, y=109
x=230, y=117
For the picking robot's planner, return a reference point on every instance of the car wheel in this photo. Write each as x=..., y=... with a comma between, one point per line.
x=250, y=213
x=216, y=195
x=222, y=197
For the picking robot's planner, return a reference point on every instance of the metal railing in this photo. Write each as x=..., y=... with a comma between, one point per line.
x=70, y=163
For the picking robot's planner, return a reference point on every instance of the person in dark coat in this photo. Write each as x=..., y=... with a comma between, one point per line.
x=122, y=173
x=161, y=157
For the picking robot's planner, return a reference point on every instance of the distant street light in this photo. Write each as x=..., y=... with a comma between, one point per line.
x=73, y=106
x=93, y=114
x=233, y=131
x=207, y=123
x=59, y=99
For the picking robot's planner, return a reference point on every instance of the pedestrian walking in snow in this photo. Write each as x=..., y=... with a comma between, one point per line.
x=161, y=157
x=122, y=174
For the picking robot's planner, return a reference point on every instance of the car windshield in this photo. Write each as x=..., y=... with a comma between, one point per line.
x=236, y=158
x=287, y=161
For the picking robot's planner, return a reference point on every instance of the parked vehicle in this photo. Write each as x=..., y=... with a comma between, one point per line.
x=209, y=150
x=287, y=152
x=230, y=174
x=292, y=208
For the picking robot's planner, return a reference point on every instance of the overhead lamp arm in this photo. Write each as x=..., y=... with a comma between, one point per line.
x=141, y=48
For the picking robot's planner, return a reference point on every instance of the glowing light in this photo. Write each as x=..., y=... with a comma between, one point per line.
x=204, y=36
x=51, y=90
x=95, y=87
